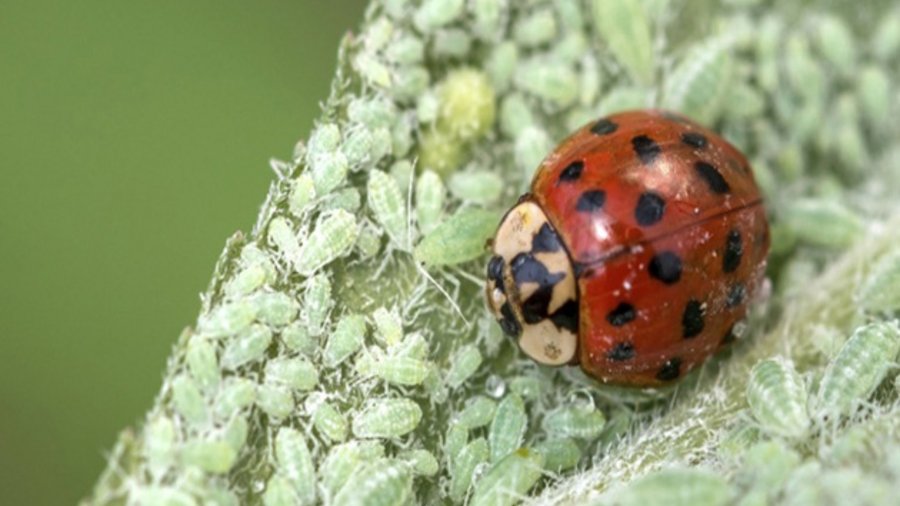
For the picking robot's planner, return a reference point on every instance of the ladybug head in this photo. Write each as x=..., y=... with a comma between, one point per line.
x=531, y=285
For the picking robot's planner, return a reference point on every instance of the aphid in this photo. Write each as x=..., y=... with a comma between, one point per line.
x=303, y=191
x=279, y=492
x=777, y=398
x=880, y=292
x=436, y=13
x=332, y=237
x=384, y=482
x=462, y=471
x=535, y=29
x=236, y=432
x=858, y=368
x=578, y=421
x=479, y=411
x=389, y=207
x=552, y=81
x=215, y=457
x=345, y=340
x=275, y=308
x=638, y=249
x=396, y=370
x=202, y=362
x=228, y=319
x=249, y=346
x=344, y=459
x=159, y=445
x=246, y=281
x=388, y=326
x=295, y=464
x=457, y=239
x=451, y=43
x=430, y=194
x=465, y=362
x=297, y=373
x=677, y=486
x=625, y=27
x=455, y=440
x=510, y=478
x=187, y=399
x=387, y=418
x=296, y=337
x=421, y=462
x=330, y=422
x=317, y=303
x=480, y=187
x=276, y=400
x=508, y=427
x=560, y=454
x=234, y=395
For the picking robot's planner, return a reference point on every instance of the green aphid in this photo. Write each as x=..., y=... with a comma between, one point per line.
x=778, y=398
x=277, y=401
x=625, y=27
x=430, y=196
x=458, y=239
x=248, y=346
x=383, y=482
x=330, y=422
x=235, y=395
x=462, y=470
x=508, y=427
x=858, y=368
x=214, y=457
x=389, y=208
x=345, y=340
x=387, y=418
x=478, y=412
x=560, y=454
x=332, y=237
x=317, y=303
x=464, y=363
x=188, y=400
x=677, y=487
x=297, y=373
x=577, y=421
x=295, y=463
x=202, y=362
x=508, y=479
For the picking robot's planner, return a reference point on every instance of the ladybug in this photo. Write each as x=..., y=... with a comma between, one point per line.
x=637, y=250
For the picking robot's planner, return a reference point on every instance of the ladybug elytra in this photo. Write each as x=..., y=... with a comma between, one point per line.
x=637, y=250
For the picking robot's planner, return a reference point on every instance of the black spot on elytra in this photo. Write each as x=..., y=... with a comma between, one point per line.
x=736, y=294
x=650, y=208
x=734, y=249
x=621, y=314
x=621, y=352
x=566, y=317
x=508, y=321
x=527, y=269
x=571, y=173
x=604, y=127
x=646, y=149
x=694, y=139
x=545, y=240
x=590, y=201
x=666, y=267
x=692, y=319
x=670, y=370
x=495, y=272
x=712, y=177
x=534, y=309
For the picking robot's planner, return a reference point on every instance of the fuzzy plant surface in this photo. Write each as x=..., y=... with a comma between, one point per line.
x=343, y=353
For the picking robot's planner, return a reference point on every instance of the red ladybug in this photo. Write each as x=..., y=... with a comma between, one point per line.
x=638, y=248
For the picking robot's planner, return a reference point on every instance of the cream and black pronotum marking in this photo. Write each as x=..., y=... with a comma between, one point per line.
x=531, y=286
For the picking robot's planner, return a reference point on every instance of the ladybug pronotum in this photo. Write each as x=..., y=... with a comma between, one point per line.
x=637, y=250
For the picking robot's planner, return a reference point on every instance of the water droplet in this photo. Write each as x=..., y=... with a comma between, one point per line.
x=494, y=386
x=258, y=486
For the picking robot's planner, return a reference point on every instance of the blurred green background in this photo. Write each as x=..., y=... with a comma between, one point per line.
x=134, y=138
